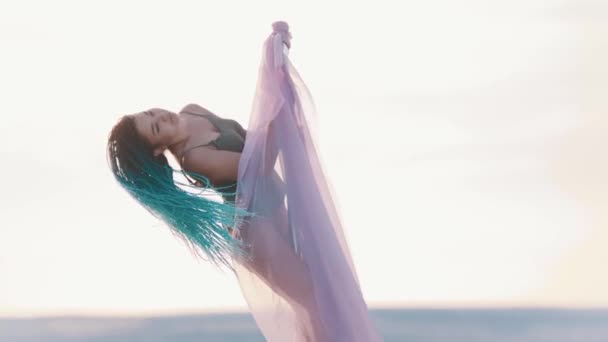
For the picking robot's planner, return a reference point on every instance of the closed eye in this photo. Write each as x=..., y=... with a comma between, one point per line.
x=154, y=127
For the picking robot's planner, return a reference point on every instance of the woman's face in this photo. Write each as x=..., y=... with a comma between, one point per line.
x=159, y=127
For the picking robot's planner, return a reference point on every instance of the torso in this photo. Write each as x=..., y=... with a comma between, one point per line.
x=206, y=128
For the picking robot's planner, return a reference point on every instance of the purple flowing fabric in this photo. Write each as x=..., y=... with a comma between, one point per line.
x=300, y=282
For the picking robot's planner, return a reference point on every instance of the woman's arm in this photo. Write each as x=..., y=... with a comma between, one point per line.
x=279, y=52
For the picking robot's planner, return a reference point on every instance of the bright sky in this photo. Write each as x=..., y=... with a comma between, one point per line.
x=478, y=125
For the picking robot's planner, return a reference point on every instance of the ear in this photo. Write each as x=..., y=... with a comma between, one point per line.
x=159, y=150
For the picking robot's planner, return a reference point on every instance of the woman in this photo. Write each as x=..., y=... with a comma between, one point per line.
x=277, y=227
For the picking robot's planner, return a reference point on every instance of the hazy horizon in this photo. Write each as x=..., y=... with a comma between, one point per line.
x=393, y=325
x=465, y=143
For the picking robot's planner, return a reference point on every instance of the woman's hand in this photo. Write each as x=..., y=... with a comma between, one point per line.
x=235, y=233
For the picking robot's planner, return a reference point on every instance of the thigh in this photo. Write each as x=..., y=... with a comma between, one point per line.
x=273, y=258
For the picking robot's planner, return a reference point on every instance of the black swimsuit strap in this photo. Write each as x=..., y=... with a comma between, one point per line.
x=210, y=118
x=209, y=143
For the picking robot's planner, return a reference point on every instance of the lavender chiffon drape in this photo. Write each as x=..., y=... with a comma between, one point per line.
x=300, y=282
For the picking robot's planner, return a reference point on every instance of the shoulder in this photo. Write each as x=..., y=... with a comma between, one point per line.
x=194, y=108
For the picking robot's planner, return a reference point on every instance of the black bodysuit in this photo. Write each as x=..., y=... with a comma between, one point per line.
x=232, y=138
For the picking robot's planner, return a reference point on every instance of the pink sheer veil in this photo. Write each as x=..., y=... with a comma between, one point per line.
x=300, y=282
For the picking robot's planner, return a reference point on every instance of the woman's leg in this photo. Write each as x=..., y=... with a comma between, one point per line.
x=274, y=260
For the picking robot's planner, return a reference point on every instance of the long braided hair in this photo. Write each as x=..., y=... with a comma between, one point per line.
x=199, y=221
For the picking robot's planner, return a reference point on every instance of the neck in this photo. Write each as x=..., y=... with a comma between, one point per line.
x=178, y=145
x=177, y=148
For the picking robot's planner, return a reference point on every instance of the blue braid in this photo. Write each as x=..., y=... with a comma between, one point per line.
x=200, y=222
